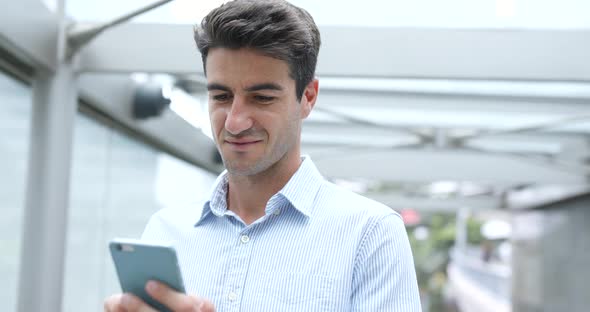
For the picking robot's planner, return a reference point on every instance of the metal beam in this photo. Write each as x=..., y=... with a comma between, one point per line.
x=503, y=89
x=112, y=95
x=350, y=135
x=134, y=48
x=80, y=36
x=457, y=53
x=386, y=52
x=460, y=103
x=542, y=196
x=403, y=111
x=396, y=202
x=28, y=30
x=436, y=165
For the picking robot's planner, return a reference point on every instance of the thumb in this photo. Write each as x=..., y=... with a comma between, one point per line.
x=206, y=306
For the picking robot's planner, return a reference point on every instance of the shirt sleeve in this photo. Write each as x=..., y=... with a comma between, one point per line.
x=384, y=275
x=149, y=230
x=153, y=229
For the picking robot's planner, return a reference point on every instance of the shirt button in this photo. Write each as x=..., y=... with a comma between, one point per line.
x=277, y=212
x=232, y=296
x=245, y=239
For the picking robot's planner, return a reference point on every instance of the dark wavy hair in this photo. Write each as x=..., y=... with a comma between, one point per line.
x=275, y=28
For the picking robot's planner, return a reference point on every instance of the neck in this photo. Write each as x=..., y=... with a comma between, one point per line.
x=248, y=195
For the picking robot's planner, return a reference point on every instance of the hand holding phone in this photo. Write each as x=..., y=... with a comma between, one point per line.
x=175, y=301
x=138, y=262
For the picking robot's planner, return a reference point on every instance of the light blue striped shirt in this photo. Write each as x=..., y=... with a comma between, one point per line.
x=318, y=248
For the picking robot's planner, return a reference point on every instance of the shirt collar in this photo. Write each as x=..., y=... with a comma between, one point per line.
x=303, y=186
x=300, y=191
x=217, y=203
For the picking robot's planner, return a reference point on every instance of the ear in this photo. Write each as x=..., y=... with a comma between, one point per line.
x=310, y=95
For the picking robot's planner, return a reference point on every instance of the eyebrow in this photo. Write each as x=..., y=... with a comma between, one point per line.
x=264, y=86
x=257, y=87
x=217, y=86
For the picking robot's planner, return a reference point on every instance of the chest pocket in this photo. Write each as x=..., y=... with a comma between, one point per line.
x=298, y=291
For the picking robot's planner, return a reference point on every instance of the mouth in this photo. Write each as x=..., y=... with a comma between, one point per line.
x=242, y=143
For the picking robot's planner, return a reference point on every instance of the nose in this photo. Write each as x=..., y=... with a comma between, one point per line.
x=239, y=117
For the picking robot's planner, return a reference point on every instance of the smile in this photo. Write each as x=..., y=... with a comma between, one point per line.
x=242, y=144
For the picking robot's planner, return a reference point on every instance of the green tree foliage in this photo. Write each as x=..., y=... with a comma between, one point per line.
x=431, y=254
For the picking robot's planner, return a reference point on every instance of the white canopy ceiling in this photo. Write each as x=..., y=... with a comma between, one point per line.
x=499, y=99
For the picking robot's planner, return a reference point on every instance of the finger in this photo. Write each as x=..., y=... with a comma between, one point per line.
x=174, y=300
x=113, y=304
x=206, y=306
x=132, y=303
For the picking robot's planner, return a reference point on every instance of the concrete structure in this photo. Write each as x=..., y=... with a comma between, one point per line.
x=551, y=252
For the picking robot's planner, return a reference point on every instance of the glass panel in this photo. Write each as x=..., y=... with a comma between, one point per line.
x=117, y=184
x=568, y=14
x=15, y=113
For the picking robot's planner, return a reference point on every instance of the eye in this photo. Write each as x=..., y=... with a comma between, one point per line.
x=223, y=97
x=264, y=98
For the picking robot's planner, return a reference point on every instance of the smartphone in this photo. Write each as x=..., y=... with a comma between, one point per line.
x=138, y=261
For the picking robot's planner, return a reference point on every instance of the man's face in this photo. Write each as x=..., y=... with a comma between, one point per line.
x=255, y=115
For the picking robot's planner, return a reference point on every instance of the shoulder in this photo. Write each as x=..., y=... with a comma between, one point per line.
x=360, y=214
x=169, y=221
x=337, y=201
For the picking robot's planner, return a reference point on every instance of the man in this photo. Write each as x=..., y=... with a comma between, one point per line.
x=274, y=235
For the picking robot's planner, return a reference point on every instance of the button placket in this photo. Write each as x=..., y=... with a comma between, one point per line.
x=238, y=271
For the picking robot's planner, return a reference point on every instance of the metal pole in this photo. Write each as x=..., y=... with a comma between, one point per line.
x=80, y=35
x=461, y=230
x=47, y=191
x=55, y=102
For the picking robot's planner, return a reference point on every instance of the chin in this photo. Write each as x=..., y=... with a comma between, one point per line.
x=239, y=171
x=246, y=169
